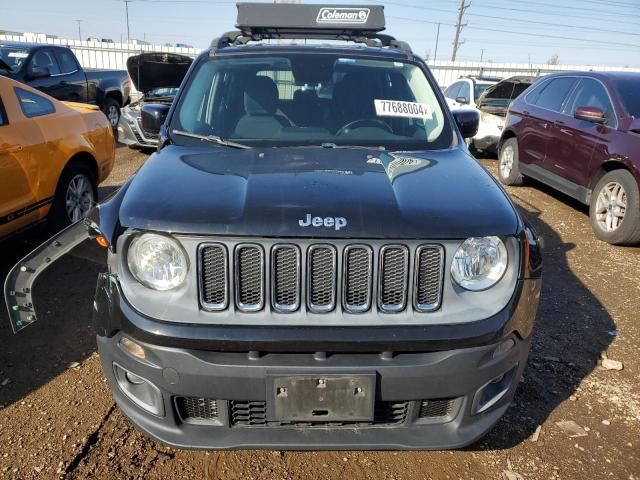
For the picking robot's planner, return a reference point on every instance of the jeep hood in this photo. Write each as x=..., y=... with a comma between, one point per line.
x=152, y=70
x=267, y=191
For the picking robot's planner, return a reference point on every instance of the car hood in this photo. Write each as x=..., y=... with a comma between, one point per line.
x=496, y=98
x=271, y=191
x=157, y=70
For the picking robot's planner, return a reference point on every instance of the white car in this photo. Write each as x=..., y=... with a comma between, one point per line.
x=491, y=98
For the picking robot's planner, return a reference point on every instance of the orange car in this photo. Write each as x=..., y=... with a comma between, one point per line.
x=53, y=155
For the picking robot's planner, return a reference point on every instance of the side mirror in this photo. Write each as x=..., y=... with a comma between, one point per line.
x=590, y=114
x=153, y=116
x=39, y=72
x=468, y=122
x=462, y=100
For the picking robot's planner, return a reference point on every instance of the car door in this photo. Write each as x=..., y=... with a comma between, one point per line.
x=540, y=109
x=73, y=82
x=574, y=140
x=19, y=203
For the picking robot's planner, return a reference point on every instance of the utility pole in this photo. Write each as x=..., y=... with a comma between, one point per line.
x=79, y=31
x=126, y=7
x=481, y=54
x=435, y=53
x=459, y=26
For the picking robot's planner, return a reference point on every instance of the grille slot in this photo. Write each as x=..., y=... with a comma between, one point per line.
x=285, y=268
x=249, y=264
x=321, y=282
x=254, y=414
x=392, y=291
x=248, y=414
x=436, y=408
x=214, y=287
x=358, y=272
x=428, y=277
x=197, y=409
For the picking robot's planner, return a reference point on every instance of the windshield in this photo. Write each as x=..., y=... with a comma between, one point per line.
x=162, y=92
x=13, y=56
x=628, y=90
x=480, y=88
x=302, y=99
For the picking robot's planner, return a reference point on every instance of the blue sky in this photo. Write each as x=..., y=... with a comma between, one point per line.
x=589, y=32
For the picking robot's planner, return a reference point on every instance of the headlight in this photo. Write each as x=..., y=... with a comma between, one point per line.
x=157, y=261
x=479, y=263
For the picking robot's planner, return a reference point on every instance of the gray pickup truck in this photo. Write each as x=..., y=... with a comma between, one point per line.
x=55, y=70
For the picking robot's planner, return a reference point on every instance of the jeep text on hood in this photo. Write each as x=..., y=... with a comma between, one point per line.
x=312, y=259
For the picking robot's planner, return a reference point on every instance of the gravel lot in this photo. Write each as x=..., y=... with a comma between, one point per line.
x=57, y=418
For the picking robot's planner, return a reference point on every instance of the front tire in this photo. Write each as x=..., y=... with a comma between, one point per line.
x=615, y=209
x=75, y=195
x=111, y=109
x=508, y=164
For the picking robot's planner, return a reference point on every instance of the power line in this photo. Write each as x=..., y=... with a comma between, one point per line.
x=494, y=17
x=561, y=37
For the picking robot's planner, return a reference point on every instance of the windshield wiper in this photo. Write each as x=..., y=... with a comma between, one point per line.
x=210, y=138
x=358, y=147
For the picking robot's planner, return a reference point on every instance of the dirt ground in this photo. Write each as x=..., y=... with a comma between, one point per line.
x=57, y=418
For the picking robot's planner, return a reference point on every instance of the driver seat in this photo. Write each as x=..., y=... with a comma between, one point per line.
x=353, y=98
x=261, y=119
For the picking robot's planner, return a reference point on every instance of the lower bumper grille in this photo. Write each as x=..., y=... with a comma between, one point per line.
x=198, y=410
x=254, y=414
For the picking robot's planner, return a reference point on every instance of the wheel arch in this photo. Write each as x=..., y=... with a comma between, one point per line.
x=609, y=166
x=83, y=158
x=506, y=135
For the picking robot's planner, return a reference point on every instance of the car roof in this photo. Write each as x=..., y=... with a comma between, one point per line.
x=30, y=45
x=338, y=48
x=599, y=75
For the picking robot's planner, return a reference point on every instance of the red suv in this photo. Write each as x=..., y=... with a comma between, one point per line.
x=580, y=134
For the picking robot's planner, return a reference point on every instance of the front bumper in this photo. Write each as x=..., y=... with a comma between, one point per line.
x=130, y=133
x=434, y=365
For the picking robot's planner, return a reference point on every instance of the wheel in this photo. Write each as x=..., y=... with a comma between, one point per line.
x=615, y=209
x=111, y=109
x=75, y=195
x=472, y=147
x=508, y=167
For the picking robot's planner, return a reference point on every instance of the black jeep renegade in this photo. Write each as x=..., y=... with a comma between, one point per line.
x=311, y=259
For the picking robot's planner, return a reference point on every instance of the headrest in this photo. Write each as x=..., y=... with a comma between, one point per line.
x=261, y=96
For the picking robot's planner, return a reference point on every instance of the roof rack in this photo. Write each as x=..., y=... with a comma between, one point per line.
x=355, y=23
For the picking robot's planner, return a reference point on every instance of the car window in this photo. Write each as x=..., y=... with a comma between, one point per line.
x=479, y=89
x=553, y=94
x=13, y=57
x=33, y=105
x=628, y=91
x=45, y=58
x=3, y=115
x=297, y=99
x=590, y=93
x=452, y=91
x=66, y=60
x=465, y=91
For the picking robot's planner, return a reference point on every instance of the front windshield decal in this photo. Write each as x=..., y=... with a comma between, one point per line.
x=393, y=108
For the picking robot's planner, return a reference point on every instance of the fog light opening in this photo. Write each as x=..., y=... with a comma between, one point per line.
x=133, y=348
x=140, y=391
x=492, y=392
x=504, y=347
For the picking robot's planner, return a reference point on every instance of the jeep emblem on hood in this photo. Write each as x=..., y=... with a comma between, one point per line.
x=343, y=15
x=335, y=222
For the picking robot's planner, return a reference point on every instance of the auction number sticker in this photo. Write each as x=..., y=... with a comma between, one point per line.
x=395, y=108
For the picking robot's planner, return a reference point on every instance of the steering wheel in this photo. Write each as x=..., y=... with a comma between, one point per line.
x=363, y=122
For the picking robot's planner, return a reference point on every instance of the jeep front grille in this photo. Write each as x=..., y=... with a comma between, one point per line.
x=320, y=278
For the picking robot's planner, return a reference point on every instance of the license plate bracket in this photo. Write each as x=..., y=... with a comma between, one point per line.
x=321, y=398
